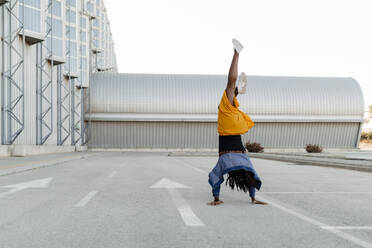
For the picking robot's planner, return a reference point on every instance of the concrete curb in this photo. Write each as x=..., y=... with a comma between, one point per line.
x=318, y=155
x=364, y=165
x=26, y=150
x=42, y=164
x=351, y=164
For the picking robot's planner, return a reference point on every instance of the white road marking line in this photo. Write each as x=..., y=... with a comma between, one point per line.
x=86, y=199
x=124, y=164
x=190, y=166
x=187, y=215
x=339, y=233
x=36, y=184
x=348, y=227
x=313, y=192
x=10, y=192
x=319, y=224
x=112, y=174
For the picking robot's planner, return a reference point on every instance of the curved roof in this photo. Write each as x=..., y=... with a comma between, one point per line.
x=277, y=98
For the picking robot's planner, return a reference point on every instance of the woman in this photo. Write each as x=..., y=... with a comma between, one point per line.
x=231, y=124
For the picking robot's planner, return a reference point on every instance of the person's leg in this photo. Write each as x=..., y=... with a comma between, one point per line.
x=231, y=90
x=233, y=71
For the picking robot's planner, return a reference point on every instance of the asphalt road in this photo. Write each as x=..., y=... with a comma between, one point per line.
x=152, y=200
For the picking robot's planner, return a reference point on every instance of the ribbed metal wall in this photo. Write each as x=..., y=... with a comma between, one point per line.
x=180, y=111
x=153, y=135
x=197, y=135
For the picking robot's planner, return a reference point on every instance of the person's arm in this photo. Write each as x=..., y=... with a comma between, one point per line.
x=216, y=195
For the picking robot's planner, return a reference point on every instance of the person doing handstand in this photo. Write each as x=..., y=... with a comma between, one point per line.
x=231, y=124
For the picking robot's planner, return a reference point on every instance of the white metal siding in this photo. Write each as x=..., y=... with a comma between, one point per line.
x=180, y=111
x=28, y=136
x=204, y=135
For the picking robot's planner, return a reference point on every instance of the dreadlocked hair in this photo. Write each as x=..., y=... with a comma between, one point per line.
x=240, y=179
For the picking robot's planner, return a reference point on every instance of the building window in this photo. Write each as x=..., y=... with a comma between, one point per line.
x=71, y=44
x=57, y=8
x=55, y=37
x=32, y=19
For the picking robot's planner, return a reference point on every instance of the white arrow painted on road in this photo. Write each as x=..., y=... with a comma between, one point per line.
x=41, y=183
x=188, y=216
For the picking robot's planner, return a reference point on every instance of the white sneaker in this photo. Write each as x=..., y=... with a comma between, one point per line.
x=237, y=45
x=242, y=83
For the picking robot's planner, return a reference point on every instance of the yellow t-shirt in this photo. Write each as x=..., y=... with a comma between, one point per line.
x=232, y=121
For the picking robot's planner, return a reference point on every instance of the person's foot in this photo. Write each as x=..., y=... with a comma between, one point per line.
x=237, y=45
x=242, y=83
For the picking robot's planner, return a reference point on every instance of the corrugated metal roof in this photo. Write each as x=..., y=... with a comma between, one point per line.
x=200, y=94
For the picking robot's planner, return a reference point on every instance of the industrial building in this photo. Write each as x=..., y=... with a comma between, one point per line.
x=150, y=111
x=49, y=50
x=60, y=91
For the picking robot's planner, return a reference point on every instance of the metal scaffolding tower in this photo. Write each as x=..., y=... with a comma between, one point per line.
x=63, y=108
x=44, y=79
x=12, y=85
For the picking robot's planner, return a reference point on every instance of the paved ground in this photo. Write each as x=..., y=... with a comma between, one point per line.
x=11, y=165
x=107, y=200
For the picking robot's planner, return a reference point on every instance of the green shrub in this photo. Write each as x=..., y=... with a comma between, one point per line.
x=369, y=135
x=364, y=136
x=313, y=148
x=254, y=147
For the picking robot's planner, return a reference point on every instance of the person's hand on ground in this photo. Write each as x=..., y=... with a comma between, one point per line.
x=254, y=201
x=215, y=203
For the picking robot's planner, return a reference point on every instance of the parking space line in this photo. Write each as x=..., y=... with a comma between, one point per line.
x=314, y=192
x=190, y=166
x=348, y=227
x=337, y=232
x=319, y=224
x=86, y=199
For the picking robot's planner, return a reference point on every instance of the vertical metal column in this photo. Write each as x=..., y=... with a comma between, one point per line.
x=72, y=106
x=63, y=108
x=44, y=89
x=82, y=113
x=76, y=118
x=12, y=85
x=69, y=77
x=86, y=131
